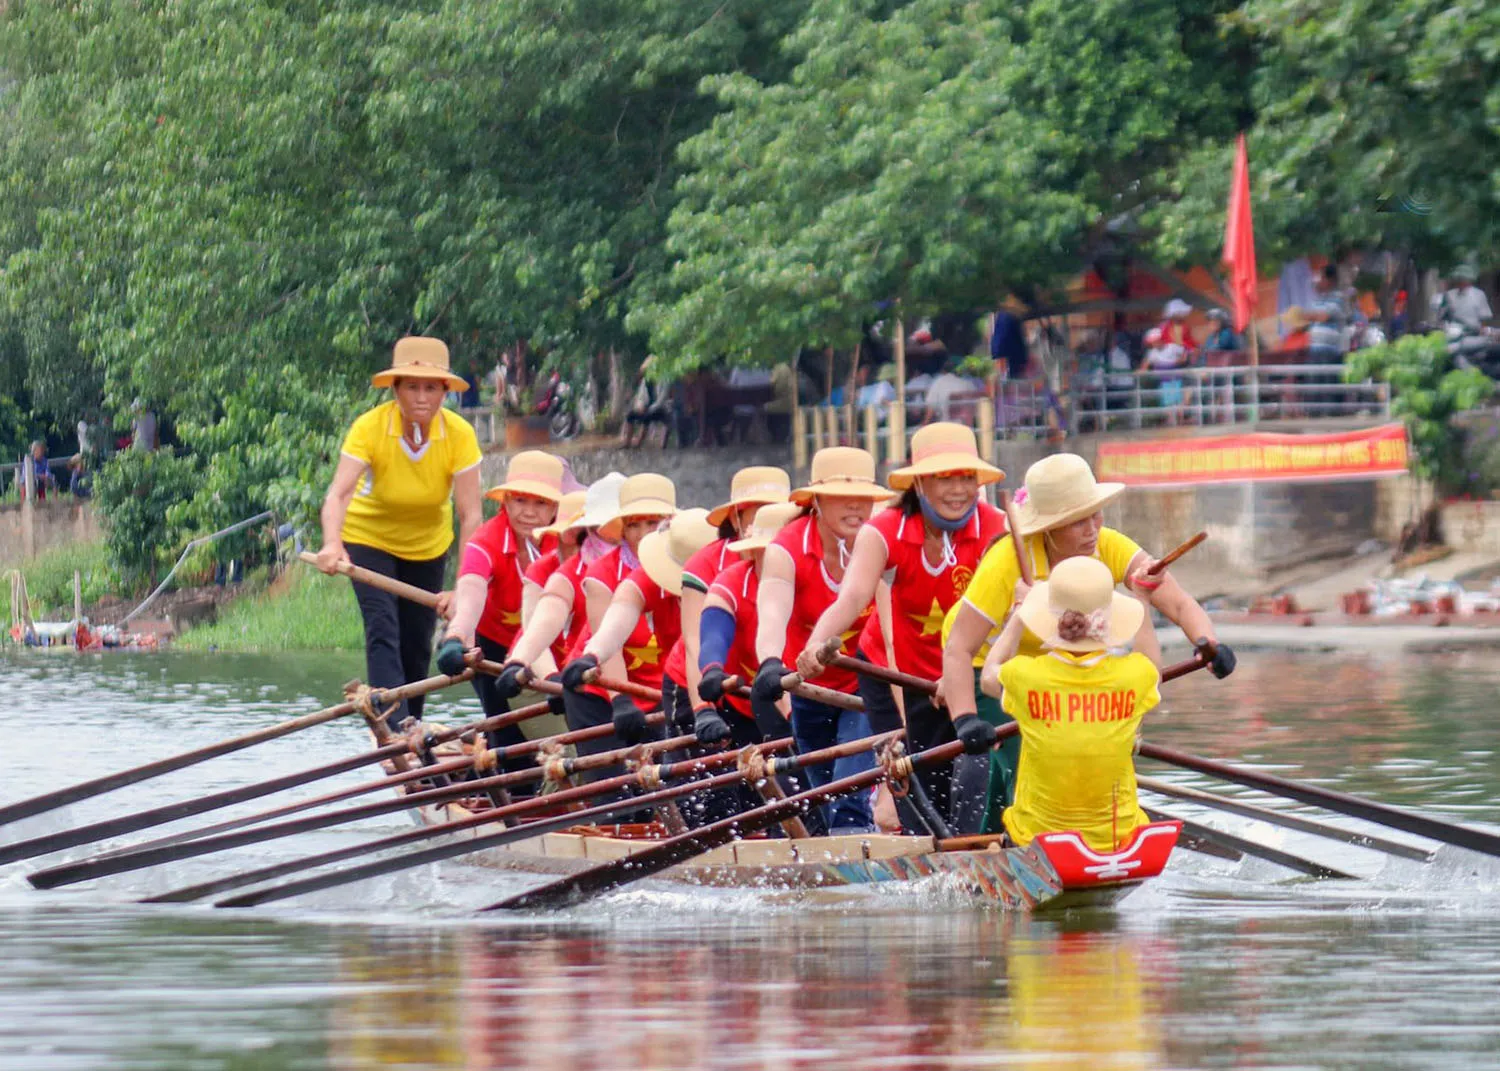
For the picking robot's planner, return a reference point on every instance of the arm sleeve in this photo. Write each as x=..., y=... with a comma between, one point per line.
x=466, y=454
x=357, y=441
x=715, y=636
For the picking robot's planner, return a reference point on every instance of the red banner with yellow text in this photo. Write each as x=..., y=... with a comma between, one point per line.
x=1347, y=455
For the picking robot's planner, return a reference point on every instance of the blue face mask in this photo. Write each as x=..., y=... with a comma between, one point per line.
x=941, y=523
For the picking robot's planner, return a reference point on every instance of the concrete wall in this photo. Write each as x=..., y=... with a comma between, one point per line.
x=1473, y=527
x=34, y=528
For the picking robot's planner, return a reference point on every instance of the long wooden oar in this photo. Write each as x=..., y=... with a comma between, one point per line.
x=1200, y=659
x=62, y=797
x=419, y=773
x=1281, y=818
x=420, y=596
x=1475, y=840
x=1249, y=847
x=1160, y=565
x=171, y=812
x=1018, y=542
x=118, y=862
x=692, y=768
x=674, y=850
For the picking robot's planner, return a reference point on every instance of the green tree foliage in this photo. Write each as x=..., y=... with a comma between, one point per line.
x=1427, y=392
x=138, y=490
x=936, y=153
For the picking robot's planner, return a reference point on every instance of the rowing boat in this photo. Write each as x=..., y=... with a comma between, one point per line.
x=1057, y=871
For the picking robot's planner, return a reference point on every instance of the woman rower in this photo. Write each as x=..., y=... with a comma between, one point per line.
x=727, y=649
x=568, y=540
x=1058, y=516
x=800, y=579
x=1079, y=704
x=487, y=595
x=646, y=500
x=927, y=548
x=749, y=489
x=389, y=508
x=560, y=621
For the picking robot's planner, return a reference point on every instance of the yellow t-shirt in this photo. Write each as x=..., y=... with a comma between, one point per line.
x=994, y=585
x=403, y=504
x=1078, y=716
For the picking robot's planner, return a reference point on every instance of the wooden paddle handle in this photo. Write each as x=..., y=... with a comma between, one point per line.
x=1161, y=565
x=377, y=580
x=1023, y=562
x=885, y=675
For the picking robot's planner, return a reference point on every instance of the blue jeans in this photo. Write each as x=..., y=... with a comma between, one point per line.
x=818, y=725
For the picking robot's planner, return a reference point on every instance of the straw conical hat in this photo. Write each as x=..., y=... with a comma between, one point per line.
x=663, y=553
x=1060, y=489
x=757, y=485
x=944, y=447
x=768, y=521
x=842, y=471
x=1085, y=586
x=418, y=357
x=569, y=514
x=531, y=472
x=646, y=494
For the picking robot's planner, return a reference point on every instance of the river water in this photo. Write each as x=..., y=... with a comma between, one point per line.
x=1217, y=964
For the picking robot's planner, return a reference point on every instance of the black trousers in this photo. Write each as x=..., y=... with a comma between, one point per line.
x=494, y=706
x=398, y=633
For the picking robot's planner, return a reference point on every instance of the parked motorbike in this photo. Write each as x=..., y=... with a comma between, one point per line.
x=559, y=405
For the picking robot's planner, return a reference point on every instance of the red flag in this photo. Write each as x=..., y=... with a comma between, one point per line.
x=1239, y=241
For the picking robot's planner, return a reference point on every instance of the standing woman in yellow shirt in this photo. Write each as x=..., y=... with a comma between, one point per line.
x=1060, y=517
x=389, y=509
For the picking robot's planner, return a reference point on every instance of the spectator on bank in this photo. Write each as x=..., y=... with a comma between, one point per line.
x=940, y=400
x=1327, y=317
x=651, y=406
x=1165, y=356
x=1008, y=344
x=143, y=430
x=80, y=480
x=875, y=386
x=1174, y=327
x=41, y=474
x=1464, y=303
x=1222, y=340
x=925, y=354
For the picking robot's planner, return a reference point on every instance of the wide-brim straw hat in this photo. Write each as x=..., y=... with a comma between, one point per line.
x=646, y=494
x=569, y=514
x=944, y=447
x=757, y=485
x=843, y=472
x=531, y=472
x=664, y=552
x=1061, y=489
x=766, y=525
x=1084, y=585
x=419, y=357
x=601, y=501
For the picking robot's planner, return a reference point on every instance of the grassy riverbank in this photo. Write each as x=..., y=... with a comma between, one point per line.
x=302, y=611
x=49, y=579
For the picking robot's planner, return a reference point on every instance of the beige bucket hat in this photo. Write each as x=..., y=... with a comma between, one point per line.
x=944, y=447
x=569, y=513
x=842, y=471
x=768, y=521
x=419, y=357
x=1078, y=609
x=1060, y=489
x=664, y=552
x=531, y=472
x=757, y=485
x=646, y=494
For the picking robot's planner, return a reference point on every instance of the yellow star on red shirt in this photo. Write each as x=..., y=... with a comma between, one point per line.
x=508, y=618
x=932, y=620
x=647, y=655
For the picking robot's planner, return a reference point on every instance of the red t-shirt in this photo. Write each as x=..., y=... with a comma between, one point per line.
x=538, y=573
x=643, y=652
x=495, y=554
x=815, y=592
x=704, y=566
x=920, y=595
x=738, y=586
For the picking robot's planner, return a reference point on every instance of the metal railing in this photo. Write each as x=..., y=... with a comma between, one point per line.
x=1118, y=401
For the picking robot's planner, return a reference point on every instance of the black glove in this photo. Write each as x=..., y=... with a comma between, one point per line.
x=1223, y=661
x=450, y=656
x=711, y=685
x=572, y=674
x=773, y=723
x=508, y=681
x=630, y=720
x=710, y=727
x=555, y=702
x=978, y=736
x=767, y=684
